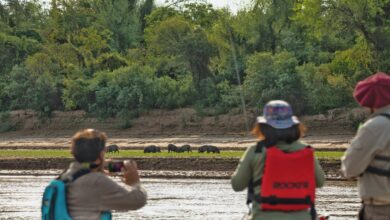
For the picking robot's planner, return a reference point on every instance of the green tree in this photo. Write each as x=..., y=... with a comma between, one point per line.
x=343, y=22
x=77, y=94
x=36, y=92
x=200, y=14
x=145, y=10
x=272, y=17
x=274, y=77
x=324, y=90
x=178, y=38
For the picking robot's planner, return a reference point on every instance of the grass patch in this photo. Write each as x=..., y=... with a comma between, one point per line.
x=123, y=153
x=34, y=153
x=334, y=155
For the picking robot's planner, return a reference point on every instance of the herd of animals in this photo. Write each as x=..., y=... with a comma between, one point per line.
x=171, y=148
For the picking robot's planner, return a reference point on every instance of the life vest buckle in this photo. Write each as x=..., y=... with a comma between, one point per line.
x=272, y=200
x=307, y=200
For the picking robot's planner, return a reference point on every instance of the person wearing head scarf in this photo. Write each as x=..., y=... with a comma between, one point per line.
x=368, y=157
x=280, y=172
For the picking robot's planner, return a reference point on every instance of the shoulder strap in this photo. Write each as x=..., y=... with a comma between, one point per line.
x=378, y=171
x=259, y=147
x=80, y=173
x=106, y=216
x=385, y=115
x=76, y=175
x=375, y=170
x=383, y=158
x=381, y=114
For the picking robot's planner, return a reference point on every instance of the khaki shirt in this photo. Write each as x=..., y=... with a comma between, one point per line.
x=95, y=192
x=373, y=138
x=251, y=166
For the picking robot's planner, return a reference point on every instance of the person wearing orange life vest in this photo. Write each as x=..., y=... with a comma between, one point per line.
x=368, y=157
x=280, y=172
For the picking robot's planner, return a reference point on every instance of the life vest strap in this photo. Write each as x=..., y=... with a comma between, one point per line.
x=251, y=191
x=385, y=115
x=378, y=171
x=259, y=147
x=299, y=201
x=258, y=182
x=375, y=170
x=383, y=158
x=273, y=200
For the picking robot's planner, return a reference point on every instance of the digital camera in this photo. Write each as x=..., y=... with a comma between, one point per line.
x=114, y=166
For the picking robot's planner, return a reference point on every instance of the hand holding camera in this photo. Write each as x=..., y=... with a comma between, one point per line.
x=114, y=166
x=130, y=173
x=128, y=168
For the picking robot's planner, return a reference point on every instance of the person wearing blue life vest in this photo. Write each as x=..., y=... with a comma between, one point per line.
x=95, y=192
x=368, y=157
x=280, y=172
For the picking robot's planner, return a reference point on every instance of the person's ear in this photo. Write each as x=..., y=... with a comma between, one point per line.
x=100, y=159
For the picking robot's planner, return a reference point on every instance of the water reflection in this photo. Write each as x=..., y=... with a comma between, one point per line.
x=20, y=198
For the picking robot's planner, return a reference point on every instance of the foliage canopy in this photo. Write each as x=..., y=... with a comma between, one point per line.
x=119, y=58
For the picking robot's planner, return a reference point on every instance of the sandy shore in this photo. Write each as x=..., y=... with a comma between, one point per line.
x=226, y=142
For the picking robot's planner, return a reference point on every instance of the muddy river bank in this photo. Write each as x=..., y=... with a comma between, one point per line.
x=161, y=167
x=172, y=199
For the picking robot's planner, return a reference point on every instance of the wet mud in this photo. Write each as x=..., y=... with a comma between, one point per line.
x=163, y=167
x=172, y=199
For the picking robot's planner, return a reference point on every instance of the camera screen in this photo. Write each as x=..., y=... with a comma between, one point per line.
x=115, y=166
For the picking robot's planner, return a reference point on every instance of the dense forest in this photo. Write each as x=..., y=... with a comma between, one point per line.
x=117, y=58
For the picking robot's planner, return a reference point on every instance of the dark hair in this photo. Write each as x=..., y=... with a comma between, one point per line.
x=273, y=135
x=87, y=145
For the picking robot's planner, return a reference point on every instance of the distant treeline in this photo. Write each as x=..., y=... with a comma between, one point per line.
x=118, y=58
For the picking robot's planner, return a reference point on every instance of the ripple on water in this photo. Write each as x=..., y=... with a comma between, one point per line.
x=172, y=199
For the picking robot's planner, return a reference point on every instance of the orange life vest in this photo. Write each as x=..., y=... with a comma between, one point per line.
x=288, y=182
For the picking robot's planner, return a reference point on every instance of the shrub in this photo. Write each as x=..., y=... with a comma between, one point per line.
x=110, y=61
x=127, y=91
x=16, y=89
x=324, y=90
x=171, y=93
x=77, y=94
x=273, y=77
x=356, y=120
x=105, y=105
x=37, y=92
x=353, y=64
x=5, y=122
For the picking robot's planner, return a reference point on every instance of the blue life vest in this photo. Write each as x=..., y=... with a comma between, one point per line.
x=54, y=205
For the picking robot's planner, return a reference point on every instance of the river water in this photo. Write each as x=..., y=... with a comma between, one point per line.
x=173, y=199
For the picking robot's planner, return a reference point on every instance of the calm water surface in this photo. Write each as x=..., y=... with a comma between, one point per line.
x=20, y=198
